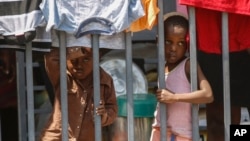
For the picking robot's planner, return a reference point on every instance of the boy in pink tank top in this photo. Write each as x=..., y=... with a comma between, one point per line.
x=178, y=96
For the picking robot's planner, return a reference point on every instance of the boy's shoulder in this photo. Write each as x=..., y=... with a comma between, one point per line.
x=105, y=78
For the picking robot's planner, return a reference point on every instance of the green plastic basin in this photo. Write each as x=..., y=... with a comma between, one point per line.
x=144, y=105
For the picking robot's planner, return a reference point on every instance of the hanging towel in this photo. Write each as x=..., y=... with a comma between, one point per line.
x=147, y=21
x=238, y=22
x=80, y=18
x=115, y=41
x=231, y=6
x=239, y=31
x=19, y=19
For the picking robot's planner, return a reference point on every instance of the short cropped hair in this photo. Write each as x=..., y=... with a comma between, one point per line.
x=176, y=19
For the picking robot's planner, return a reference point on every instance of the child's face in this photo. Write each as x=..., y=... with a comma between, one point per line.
x=82, y=66
x=175, y=44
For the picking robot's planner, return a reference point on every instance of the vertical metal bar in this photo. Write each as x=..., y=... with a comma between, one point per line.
x=226, y=75
x=21, y=96
x=161, y=69
x=30, y=91
x=129, y=88
x=96, y=76
x=63, y=84
x=193, y=71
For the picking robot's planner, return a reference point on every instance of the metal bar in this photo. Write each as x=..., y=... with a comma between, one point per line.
x=226, y=75
x=161, y=69
x=129, y=88
x=96, y=76
x=30, y=92
x=21, y=96
x=193, y=72
x=63, y=84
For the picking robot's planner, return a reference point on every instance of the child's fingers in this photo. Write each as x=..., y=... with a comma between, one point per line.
x=101, y=102
x=158, y=90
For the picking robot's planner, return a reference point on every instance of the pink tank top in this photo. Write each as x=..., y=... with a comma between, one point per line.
x=179, y=119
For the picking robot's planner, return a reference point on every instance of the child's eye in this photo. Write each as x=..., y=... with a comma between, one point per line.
x=182, y=43
x=167, y=42
x=86, y=59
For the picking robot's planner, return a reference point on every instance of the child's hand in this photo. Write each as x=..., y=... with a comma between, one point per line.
x=100, y=110
x=165, y=96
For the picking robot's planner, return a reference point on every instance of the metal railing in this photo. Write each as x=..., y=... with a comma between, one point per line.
x=95, y=44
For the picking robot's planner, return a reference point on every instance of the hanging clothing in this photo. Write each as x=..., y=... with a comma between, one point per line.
x=231, y=6
x=181, y=8
x=149, y=19
x=19, y=19
x=115, y=41
x=91, y=17
x=239, y=31
x=176, y=81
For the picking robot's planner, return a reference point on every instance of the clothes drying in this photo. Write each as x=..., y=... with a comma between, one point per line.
x=231, y=6
x=19, y=19
x=91, y=16
x=208, y=21
x=115, y=41
x=147, y=21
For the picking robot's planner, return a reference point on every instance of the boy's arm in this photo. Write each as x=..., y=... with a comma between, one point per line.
x=202, y=95
x=204, y=92
x=110, y=106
